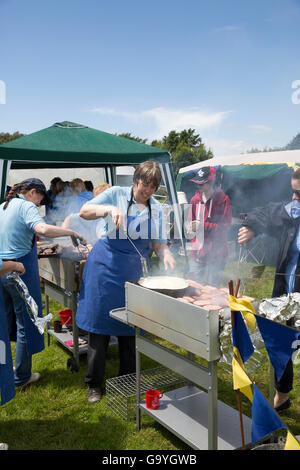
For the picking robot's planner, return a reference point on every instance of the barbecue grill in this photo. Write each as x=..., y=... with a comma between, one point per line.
x=195, y=416
x=62, y=280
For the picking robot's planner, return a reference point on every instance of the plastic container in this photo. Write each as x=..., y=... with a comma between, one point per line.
x=57, y=326
x=65, y=316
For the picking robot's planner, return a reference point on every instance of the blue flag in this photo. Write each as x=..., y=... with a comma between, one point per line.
x=264, y=419
x=240, y=337
x=278, y=340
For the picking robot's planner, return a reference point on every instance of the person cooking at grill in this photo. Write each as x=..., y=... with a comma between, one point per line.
x=281, y=221
x=210, y=250
x=113, y=261
x=20, y=221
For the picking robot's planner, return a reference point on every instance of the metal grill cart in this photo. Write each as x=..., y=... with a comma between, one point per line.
x=62, y=278
x=121, y=391
x=194, y=415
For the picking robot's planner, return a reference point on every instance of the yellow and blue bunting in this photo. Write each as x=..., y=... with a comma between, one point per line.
x=265, y=420
x=278, y=341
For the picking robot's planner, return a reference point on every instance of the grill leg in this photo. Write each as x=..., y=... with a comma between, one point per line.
x=47, y=312
x=75, y=330
x=138, y=383
x=213, y=406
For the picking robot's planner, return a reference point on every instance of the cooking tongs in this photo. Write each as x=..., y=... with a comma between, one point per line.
x=144, y=263
x=79, y=241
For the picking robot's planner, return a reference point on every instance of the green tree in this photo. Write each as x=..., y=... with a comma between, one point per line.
x=294, y=144
x=128, y=135
x=7, y=137
x=185, y=147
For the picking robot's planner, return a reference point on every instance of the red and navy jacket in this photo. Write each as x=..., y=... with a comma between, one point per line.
x=217, y=221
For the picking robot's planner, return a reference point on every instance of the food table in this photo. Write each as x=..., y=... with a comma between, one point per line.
x=195, y=416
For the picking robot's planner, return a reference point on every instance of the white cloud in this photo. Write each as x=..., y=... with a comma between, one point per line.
x=260, y=128
x=223, y=147
x=160, y=121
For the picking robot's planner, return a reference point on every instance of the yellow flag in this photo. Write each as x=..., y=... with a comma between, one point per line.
x=245, y=307
x=291, y=442
x=240, y=379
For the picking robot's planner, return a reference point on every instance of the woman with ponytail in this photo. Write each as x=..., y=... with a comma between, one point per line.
x=20, y=222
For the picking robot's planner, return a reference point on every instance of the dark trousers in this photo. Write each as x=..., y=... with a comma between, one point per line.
x=97, y=348
x=285, y=384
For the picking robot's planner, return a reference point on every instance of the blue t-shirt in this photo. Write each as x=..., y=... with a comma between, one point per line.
x=79, y=201
x=120, y=197
x=17, y=224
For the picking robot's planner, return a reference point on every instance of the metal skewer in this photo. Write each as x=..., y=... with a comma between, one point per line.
x=144, y=263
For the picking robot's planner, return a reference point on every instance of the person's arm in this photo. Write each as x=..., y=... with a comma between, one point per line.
x=67, y=222
x=8, y=266
x=224, y=221
x=268, y=219
x=164, y=254
x=94, y=211
x=53, y=231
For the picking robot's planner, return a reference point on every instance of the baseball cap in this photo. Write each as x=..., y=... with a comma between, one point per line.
x=205, y=174
x=36, y=183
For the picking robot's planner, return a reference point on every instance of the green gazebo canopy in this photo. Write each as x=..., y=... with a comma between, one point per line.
x=68, y=144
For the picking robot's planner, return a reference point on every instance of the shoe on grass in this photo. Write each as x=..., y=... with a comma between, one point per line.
x=94, y=395
x=35, y=377
x=3, y=446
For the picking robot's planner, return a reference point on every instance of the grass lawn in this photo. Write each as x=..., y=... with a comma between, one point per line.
x=54, y=413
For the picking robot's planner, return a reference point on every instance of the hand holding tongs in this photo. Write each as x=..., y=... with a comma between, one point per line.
x=77, y=241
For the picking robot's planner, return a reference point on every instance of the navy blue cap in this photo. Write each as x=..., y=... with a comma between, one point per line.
x=36, y=183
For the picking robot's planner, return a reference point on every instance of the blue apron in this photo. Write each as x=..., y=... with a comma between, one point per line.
x=35, y=341
x=7, y=382
x=109, y=265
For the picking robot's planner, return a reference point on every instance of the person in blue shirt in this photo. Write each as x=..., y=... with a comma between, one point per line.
x=281, y=221
x=7, y=385
x=81, y=195
x=90, y=229
x=128, y=212
x=20, y=222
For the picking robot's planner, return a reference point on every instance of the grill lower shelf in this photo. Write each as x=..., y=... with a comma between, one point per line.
x=184, y=412
x=64, y=337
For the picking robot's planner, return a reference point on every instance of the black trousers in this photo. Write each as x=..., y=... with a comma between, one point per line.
x=97, y=348
x=285, y=384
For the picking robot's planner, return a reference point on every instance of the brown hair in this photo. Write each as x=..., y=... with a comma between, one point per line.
x=149, y=173
x=296, y=174
x=100, y=188
x=77, y=185
x=14, y=191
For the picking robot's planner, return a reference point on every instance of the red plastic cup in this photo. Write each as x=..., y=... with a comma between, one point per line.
x=152, y=399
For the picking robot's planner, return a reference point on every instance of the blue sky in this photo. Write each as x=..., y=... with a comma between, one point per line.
x=223, y=67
